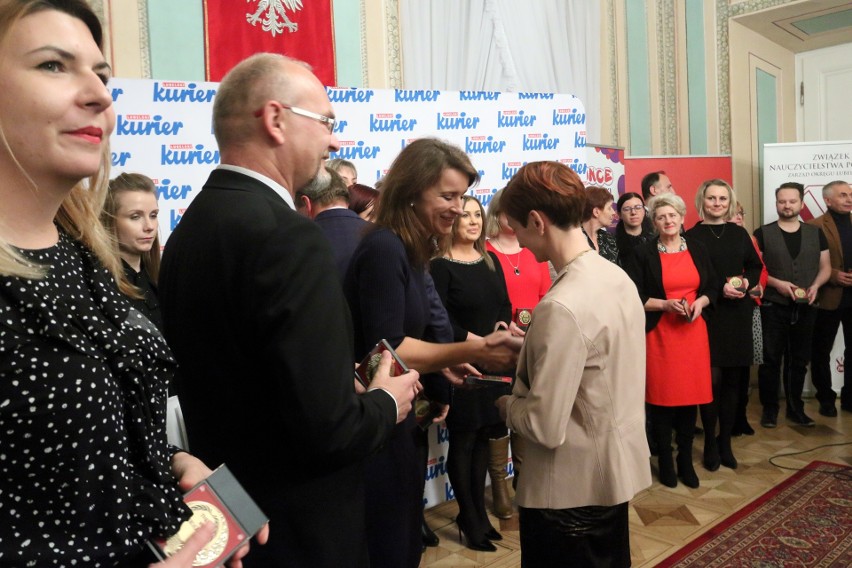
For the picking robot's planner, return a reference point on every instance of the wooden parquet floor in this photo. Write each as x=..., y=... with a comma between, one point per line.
x=662, y=519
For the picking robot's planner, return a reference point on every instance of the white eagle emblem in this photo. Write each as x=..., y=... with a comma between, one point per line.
x=274, y=9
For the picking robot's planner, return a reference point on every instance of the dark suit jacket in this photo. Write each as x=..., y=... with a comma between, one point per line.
x=646, y=270
x=344, y=229
x=263, y=338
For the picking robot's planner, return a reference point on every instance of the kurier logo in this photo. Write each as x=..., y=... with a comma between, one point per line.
x=166, y=189
x=483, y=145
x=576, y=165
x=479, y=95
x=483, y=194
x=180, y=92
x=171, y=154
x=389, y=122
x=415, y=96
x=356, y=150
x=175, y=215
x=540, y=141
x=353, y=95
x=145, y=125
x=454, y=120
x=119, y=159
x=566, y=116
x=509, y=169
x=436, y=468
x=514, y=118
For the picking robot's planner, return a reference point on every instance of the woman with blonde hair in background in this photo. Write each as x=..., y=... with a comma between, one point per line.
x=471, y=285
x=131, y=215
x=737, y=266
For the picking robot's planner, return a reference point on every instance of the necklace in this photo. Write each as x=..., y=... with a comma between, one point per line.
x=719, y=236
x=515, y=267
x=662, y=248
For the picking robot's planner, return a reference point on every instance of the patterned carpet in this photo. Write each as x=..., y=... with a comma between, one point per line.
x=804, y=521
x=664, y=520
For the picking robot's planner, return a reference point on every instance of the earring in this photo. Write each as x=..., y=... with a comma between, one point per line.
x=412, y=204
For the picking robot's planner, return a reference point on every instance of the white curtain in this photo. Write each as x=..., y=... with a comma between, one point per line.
x=548, y=46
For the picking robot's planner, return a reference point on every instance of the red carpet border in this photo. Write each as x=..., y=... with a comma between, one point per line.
x=804, y=521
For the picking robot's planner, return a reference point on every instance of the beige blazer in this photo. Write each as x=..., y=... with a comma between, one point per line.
x=580, y=395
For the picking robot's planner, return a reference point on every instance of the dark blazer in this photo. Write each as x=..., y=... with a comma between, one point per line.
x=263, y=338
x=344, y=229
x=646, y=270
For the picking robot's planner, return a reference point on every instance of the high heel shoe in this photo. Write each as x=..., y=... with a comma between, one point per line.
x=482, y=545
x=428, y=535
x=492, y=534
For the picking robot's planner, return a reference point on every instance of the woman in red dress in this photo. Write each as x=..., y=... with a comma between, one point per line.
x=676, y=283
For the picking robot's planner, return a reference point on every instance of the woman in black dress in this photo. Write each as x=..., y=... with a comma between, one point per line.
x=731, y=345
x=470, y=282
x=130, y=214
x=86, y=472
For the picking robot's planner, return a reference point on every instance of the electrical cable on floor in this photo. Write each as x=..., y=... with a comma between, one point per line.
x=843, y=475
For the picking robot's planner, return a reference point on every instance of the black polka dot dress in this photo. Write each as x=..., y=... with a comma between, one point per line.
x=85, y=473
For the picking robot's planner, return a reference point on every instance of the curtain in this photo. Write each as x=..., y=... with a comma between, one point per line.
x=548, y=46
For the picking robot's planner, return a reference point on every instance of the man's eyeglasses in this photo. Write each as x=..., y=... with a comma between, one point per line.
x=326, y=120
x=634, y=209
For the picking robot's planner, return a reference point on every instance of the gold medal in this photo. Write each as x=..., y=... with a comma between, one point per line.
x=202, y=512
x=800, y=294
x=523, y=316
x=736, y=282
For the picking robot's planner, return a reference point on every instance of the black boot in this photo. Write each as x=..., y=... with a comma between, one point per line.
x=668, y=477
x=726, y=453
x=711, y=452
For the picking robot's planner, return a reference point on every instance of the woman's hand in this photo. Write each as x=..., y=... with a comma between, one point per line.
x=190, y=471
x=732, y=293
x=512, y=327
x=445, y=409
x=678, y=307
x=184, y=557
x=697, y=307
x=456, y=374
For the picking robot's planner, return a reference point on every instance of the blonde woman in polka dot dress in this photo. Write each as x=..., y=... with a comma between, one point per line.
x=86, y=474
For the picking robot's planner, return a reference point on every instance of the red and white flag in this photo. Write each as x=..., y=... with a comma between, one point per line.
x=236, y=29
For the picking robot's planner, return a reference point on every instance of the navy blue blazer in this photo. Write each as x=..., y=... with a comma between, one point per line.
x=344, y=229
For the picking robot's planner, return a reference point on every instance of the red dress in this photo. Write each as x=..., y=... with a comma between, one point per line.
x=678, y=351
x=531, y=281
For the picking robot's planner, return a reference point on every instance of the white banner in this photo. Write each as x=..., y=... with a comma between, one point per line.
x=164, y=131
x=813, y=164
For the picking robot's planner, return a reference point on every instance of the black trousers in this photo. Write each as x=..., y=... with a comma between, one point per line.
x=582, y=536
x=787, y=334
x=825, y=330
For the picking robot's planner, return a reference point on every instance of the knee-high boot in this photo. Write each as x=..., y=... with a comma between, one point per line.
x=498, y=459
x=684, y=437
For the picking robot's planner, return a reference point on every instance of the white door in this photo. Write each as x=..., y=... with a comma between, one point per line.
x=826, y=75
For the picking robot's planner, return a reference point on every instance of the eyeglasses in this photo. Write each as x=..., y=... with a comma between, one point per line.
x=326, y=120
x=634, y=209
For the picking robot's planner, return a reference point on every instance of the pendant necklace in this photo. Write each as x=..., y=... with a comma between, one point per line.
x=719, y=236
x=516, y=267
